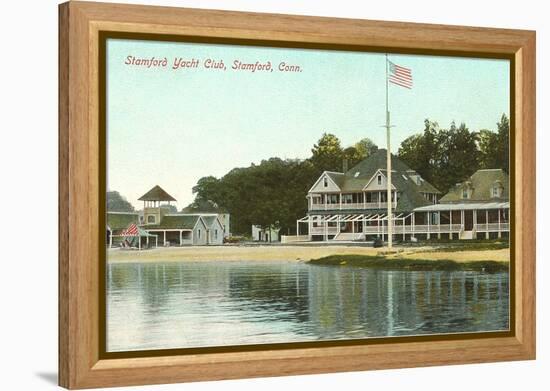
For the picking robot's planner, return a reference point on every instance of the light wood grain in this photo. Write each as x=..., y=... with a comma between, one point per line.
x=79, y=364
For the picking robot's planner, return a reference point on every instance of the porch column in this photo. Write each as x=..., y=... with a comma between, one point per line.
x=499, y=232
x=474, y=213
x=413, y=225
x=487, y=222
x=164, y=244
x=364, y=200
x=379, y=197
x=428, y=218
x=297, y=228
x=181, y=237
x=462, y=218
x=403, y=228
x=378, y=225
x=439, y=225
x=352, y=226
x=111, y=238
x=147, y=241
x=450, y=225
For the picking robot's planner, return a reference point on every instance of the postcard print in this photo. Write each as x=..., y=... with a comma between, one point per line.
x=261, y=195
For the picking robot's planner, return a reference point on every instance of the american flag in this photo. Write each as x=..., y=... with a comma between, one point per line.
x=400, y=75
x=132, y=230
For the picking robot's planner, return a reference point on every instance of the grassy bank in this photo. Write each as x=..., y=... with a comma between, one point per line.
x=395, y=263
x=461, y=245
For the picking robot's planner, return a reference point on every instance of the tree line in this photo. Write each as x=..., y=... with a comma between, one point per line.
x=272, y=193
x=445, y=157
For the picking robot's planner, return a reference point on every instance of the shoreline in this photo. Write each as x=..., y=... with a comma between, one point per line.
x=300, y=253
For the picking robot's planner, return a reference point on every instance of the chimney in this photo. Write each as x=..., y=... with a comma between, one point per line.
x=345, y=165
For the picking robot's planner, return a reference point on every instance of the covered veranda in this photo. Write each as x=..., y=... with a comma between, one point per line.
x=481, y=220
x=448, y=221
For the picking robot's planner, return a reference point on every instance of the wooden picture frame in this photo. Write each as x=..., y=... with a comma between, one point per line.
x=81, y=364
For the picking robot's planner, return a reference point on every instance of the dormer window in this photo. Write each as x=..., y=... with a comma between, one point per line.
x=496, y=191
x=151, y=219
x=379, y=179
x=465, y=193
x=325, y=182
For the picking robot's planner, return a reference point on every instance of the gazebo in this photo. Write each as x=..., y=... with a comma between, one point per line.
x=153, y=202
x=155, y=196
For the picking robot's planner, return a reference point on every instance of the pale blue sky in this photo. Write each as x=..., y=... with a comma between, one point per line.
x=172, y=127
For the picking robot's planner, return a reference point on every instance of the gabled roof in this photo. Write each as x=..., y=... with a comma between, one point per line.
x=359, y=175
x=481, y=184
x=356, y=178
x=175, y=221
x=157, y=193
x=366, y=168
x=121, y=220
x=209, y=220
x=337, y=177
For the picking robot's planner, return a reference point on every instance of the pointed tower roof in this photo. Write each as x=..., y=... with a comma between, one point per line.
x=157, y=193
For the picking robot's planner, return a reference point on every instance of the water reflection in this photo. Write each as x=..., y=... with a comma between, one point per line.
x=176, y=305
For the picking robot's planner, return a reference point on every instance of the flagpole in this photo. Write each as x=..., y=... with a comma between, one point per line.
x=388, y=161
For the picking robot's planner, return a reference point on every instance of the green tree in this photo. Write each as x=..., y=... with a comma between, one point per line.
x=327, y=154
x=365, y=147
x=489, y=149
x=117, y=203
x=442, y=156
x=458, y=156
x=421, y=151
x=503, y=130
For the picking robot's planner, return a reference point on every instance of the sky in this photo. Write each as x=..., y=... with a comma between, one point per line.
x=170, y=127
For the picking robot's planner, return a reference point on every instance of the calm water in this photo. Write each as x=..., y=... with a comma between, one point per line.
x=178, y=305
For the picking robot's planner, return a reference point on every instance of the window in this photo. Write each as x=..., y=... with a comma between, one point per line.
x=465, y=193
x=379, y=179
x=151, y=219
x=325, y=182
x=215, y=234
x=199, y=233
x=496, y=191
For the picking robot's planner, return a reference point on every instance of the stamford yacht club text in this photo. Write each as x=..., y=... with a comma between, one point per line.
x=180, y=63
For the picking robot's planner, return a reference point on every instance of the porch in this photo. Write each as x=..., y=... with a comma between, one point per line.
x=460, y=221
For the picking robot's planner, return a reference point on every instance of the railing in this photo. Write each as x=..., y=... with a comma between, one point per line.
x=400, y=229
x=492, y=227
x=322, y=230
x=344, y=206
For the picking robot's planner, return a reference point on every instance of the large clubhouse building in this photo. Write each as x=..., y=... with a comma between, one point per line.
x=352, y=205
x=156, y=225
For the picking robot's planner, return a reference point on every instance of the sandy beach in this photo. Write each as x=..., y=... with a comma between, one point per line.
x=296, y=253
